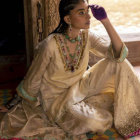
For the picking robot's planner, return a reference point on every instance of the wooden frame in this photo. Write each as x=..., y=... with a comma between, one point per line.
x=34, y=20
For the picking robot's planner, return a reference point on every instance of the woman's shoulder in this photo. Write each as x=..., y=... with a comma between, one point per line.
x=50, y=38
x=48, y=41
x=93, y=35
x=89, y=33
x=47, y=44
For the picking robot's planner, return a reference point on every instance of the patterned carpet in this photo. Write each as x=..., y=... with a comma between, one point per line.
x=6, y=95
x=111, y=134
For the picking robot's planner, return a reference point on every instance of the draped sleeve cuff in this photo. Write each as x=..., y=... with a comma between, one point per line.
x=123, y=54
x=24, y=94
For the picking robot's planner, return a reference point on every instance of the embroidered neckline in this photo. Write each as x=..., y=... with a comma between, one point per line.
x=67, y=65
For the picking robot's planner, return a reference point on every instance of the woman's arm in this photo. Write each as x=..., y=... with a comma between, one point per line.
x=100, y=14
x=30, y=85
x=115, y=38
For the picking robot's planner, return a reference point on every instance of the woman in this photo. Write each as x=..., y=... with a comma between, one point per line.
x=61, y=97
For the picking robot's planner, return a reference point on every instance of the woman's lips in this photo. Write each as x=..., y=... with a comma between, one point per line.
x=88, y=23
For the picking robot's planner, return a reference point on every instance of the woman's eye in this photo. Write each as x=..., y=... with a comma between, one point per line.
x=82, y=13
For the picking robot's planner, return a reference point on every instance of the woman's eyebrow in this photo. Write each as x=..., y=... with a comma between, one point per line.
x=80, y=9
x=83, y=9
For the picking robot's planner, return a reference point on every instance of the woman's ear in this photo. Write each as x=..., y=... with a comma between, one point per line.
x=67, y=19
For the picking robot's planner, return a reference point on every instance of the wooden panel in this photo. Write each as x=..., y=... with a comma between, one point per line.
x=31, y=25
x=134, y=51
x=51, y=15
x=28, y=30
x=37, y=13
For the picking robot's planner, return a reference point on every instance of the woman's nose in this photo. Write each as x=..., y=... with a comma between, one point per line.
x=88, y=16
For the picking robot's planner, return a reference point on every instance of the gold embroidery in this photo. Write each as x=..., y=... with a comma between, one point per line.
x=80, y=55
x=130, y=126
x=60, y=51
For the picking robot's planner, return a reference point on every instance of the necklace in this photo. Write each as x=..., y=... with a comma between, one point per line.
x=72, y=40
x=74, y=56
x=71, y=65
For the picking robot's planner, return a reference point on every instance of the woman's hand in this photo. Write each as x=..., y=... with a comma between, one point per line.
x=98, y=12
x=3, y=109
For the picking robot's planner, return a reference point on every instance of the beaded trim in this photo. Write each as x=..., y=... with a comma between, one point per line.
x=24, y=93
x=130, y=126
x=61, y=47
x=134, y=134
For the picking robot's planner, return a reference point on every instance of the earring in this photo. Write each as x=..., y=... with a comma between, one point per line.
x=70, y=28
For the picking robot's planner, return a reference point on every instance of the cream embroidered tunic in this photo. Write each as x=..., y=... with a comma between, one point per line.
x=50, y=90
x=48, y=76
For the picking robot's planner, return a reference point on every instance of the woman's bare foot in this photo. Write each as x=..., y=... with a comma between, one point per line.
x=3, y=109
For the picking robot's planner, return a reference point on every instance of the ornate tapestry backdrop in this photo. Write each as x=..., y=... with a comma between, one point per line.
x=51, y=15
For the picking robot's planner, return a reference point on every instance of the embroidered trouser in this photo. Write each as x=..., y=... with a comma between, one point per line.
x=93, y=113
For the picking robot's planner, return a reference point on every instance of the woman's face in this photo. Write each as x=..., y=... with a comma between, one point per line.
x=79, y=16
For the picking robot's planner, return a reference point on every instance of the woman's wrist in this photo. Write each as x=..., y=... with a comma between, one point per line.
x=105, y=21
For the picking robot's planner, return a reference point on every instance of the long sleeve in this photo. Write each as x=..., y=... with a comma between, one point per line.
x=29, y=87
x=103, y=48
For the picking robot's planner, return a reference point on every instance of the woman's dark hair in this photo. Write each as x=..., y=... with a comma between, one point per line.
x=65, y=6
